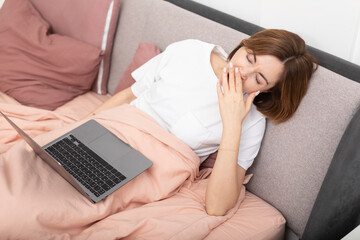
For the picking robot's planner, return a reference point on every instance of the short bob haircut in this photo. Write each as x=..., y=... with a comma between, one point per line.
x=281, y=101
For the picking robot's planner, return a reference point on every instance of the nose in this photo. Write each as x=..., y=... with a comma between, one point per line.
x=246, y=72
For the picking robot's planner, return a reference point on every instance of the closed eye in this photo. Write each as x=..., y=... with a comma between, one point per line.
x=256, y=77
x=257, y=80
x=247, y=57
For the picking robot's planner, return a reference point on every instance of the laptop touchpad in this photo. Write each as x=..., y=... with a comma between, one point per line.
x=109, y=147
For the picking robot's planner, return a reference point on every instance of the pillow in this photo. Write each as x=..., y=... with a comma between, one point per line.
x=91, y=21
x=144, y=53
x=39, y=69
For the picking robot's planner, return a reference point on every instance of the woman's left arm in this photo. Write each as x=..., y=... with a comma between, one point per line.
x=225, y=181
x=124, y=96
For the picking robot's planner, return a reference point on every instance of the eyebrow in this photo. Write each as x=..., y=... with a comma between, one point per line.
x=267, y=82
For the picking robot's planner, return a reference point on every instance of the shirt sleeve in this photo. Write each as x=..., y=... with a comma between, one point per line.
x=146, y=75
x=250, y=143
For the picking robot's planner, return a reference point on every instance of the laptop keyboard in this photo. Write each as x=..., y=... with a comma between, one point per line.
x=84, y=165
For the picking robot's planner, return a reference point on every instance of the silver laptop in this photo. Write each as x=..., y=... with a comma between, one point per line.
x=90, y=158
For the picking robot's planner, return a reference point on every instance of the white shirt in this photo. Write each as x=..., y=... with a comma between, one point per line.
x=178, y=89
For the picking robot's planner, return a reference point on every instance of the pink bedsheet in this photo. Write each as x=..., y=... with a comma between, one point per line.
x=165, y=202
x=37, y=121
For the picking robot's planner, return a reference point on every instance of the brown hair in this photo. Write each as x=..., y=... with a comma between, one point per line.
x=282, y=100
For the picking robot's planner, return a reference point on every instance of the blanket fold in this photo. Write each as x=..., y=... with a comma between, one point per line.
x=164, y=202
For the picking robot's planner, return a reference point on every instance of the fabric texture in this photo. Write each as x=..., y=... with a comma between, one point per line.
x=38, y=68
x=178, y=89
x=144, y=53
x=90, y=21
x=336, y=211
x=306, y=144
x=336, y=64
x=180, y=216
x=161, y=24
x=166, y=201
x=209, y=161
x=37, y=121
x=254, y=220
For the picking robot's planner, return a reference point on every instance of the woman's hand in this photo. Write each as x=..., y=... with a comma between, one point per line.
x=227, y=176
x=233, y=107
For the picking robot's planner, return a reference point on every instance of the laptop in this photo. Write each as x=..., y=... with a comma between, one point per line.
x=92, y=159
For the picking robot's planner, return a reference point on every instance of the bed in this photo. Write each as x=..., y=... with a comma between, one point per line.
x=58, y=67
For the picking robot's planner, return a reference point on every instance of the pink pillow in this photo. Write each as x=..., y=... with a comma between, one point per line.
x=37, y=68
x=144, y=53
x=91, y=21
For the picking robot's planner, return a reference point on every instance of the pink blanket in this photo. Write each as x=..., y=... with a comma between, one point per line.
x=37, y=121
x=164, y=202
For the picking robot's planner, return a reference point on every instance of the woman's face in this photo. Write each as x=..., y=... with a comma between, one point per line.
x=258, y=72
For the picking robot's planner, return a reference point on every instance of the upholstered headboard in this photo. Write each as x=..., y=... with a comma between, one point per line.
x=295, y=156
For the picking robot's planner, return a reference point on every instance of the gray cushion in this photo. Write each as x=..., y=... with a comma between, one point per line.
x=337, y=207
x=295, y=155
x=132, y=19
x=163, y=25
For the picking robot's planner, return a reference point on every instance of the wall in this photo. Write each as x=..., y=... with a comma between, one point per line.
x=330, y=25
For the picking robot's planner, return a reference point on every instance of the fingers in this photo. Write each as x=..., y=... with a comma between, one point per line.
x=231, y=78
x=238, y=81
x=225, y=82
x=250, y=100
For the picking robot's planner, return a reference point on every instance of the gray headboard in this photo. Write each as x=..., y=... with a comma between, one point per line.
x=295, y=156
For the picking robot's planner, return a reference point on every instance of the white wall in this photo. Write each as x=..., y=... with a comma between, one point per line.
x=353, y=235
x=330, y=25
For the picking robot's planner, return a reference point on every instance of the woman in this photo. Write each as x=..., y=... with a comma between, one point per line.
x=204, y=97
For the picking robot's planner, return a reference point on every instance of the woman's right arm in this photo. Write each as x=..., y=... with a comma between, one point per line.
x=223, y=189
x=124, y=96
